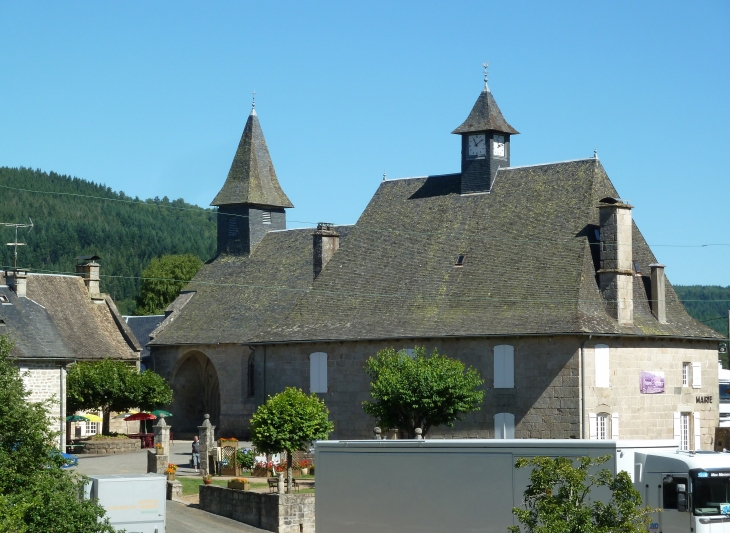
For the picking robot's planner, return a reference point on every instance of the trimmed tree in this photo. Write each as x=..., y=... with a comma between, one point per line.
x=420, y=391
x=162, y=281
x=111, y=385
x=558, y=498
x=289, y=421
x=36, y=494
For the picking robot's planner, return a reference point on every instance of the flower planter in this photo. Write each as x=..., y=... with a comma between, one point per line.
x=207, y=481
x=233, y=484
x=260, y=471
x=170, y=477
x=305, y=471
x=159, y=451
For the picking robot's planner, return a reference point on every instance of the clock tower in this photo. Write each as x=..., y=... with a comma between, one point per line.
x=485, y=143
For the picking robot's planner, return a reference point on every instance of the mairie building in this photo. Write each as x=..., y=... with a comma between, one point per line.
x=536, y=276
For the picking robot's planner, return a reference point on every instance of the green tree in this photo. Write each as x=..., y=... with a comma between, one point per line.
x=557, y=499
x=420, y=391
x=35, y=493
x=289, y=421
x=162, y=281
x=112, y=385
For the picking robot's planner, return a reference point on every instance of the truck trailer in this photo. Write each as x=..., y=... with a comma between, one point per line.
x=471, y=485
x=134, y=503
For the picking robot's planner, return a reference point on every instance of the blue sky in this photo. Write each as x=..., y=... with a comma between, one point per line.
x=151, y=98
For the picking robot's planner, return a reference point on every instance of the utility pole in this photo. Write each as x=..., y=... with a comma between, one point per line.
x=16, y=243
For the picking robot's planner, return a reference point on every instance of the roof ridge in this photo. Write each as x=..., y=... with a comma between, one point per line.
x=550, y=163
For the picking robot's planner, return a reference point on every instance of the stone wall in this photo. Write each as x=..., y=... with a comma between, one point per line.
x=47, y=381
x=281, y=513
x=110, y=446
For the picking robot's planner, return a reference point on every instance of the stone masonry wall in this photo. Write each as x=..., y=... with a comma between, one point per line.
x=281, y=513
x=47, y=381
x=544, y=401
x=651, y=416
x=110, y=446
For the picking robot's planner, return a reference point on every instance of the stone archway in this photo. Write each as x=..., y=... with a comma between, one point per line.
x=196, y=393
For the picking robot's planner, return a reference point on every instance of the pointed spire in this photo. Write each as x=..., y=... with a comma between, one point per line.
x=485, y=115
x=252, y=178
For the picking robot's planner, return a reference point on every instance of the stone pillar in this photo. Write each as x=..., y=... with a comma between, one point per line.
x=162, y=435
x=207, y=443
x=280, y=483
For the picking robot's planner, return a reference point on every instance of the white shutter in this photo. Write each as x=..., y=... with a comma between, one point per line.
x=322, y=372
x=677, y=428
x=504, y=367
x=509, y=371
x=614, y=426
x=698, y=433
x=509, y=426
x=696, y=375
x=499, y=426
x=602, y=365
x=498, y=367
x=592, y=426
x=313, y=372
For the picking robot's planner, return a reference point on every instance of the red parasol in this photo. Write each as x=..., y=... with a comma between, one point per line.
x=140, y=416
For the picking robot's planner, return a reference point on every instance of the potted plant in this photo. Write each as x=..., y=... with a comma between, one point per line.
x=260, y=469
x=170, y=471
x=240, y=483
x=158, y=448
x=304, y=467
x=207, y=479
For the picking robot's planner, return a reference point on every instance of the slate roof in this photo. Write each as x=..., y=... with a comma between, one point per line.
x=89, y=330
x=485, y=115
x=252, y=178
x=142, y=327
x=31, y=329
x=530, y=268
x=232, y=297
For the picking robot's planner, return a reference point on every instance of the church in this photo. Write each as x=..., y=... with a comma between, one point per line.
x=536, y=276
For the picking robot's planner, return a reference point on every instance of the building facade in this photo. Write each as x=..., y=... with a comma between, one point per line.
x=536, y=276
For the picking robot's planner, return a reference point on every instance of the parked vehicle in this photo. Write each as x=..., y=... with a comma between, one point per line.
x=472, y=485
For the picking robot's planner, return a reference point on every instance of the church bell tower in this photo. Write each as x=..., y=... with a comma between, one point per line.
x=485, y=143
x=251, y=202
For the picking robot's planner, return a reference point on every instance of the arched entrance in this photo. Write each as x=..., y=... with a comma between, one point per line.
x=196, y=392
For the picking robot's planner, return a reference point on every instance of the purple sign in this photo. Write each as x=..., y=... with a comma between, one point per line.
x=652, y=383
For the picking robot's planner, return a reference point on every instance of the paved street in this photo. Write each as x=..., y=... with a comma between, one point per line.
x=183, y=519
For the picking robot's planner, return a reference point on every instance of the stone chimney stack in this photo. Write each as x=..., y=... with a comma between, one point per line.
x=325, y=242
x=88, y=267
x=616, y=275
x=18, y=281
x=658, y=293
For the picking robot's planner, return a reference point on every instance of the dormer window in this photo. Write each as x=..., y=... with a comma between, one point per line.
x=460, y=260
x=4, y=299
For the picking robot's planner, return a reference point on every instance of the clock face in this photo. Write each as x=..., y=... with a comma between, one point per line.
x=477, y=146
x=498, y=145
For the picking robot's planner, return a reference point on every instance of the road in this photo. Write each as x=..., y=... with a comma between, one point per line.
x=184, y=519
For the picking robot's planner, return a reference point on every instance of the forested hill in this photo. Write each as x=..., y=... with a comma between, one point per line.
x=707, y=303
x=125, y=232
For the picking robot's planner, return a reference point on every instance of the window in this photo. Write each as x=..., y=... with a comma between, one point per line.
x=504, y=367
x=603, y=426
x=696, y=375
x=460, y=260
x=685, y=374
x=92, y=428
x=266, y=217
x=681, y=430
x=669, y=491
x=232, y=226
x=504, y=426
x=318, y=372
x=602, y=365
x=602, y=422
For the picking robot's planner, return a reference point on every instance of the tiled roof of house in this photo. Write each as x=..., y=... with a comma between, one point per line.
x=530, y=264
x=90, y=330
x=252, y=178
x=31, y=329
x=233, y=297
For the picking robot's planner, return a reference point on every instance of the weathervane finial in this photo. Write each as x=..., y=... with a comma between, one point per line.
x=253, y=100
x=486, y=75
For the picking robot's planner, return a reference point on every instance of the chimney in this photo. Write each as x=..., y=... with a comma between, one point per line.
x=616, y=275
x=87, y=266
x=18, y=281
x=658, y=293
x=325, y=242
